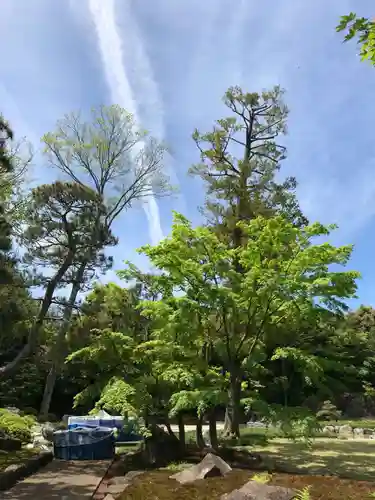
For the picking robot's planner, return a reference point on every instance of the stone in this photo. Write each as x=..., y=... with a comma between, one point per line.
x=36, y=430
x=132, y=475
x=13, y=409
x=12, y=467
x=358, y=432
x=257, y=491
x=41, y=443
x=345, y=429
x=10, y=444
x=329, y=428
x=118, y=484
x=47, y=431
x=210, y=466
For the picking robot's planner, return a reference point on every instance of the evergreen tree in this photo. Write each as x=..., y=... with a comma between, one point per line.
x=239, y=190
x=6, y=263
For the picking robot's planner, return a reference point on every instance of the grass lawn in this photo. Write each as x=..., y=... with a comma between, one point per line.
x=351, y=458
x=127, y=447
x=15, y=457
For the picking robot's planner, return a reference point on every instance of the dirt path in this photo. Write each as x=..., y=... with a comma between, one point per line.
x=60, y=480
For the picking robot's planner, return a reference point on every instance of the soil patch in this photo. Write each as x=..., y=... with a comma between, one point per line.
x=158, y=484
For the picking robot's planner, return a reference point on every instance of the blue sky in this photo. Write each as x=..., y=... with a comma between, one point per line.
x=170, y=61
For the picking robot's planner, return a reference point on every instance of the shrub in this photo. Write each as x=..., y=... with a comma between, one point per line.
x=16, y=426
x=28, y=411
x=132, y=427
x=328, y=411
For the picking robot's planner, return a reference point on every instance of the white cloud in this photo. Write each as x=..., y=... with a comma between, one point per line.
x=115, y=50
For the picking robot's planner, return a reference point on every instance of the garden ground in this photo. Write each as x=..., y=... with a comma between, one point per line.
x=346, y=458
x=317, y=466
x=157, y=484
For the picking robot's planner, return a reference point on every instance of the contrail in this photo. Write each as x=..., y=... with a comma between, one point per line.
x=113, y=55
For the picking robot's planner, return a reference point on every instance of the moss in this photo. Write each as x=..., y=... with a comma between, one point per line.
x=15, y=457
x=157, y=484
x=16, y=426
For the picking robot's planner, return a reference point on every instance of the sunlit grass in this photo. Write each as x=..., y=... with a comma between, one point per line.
x=351, y=458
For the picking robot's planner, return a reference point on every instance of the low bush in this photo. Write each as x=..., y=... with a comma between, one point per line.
x=16, y=426
x=259, y=436
x=328, y=411
x=29, y=412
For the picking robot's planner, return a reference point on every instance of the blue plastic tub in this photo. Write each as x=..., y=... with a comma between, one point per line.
x=84, y=444
x=91, y=422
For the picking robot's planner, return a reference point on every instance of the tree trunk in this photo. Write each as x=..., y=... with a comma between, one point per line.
x=234, y=408
x=36, y=327
x=227, y=420
x=181, y=431
x=58, y=350
x=168, y=427
x=199, y=433
x=213, y=429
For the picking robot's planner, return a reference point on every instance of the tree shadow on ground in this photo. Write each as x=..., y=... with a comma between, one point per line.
x=60, y=480
x=352, y=459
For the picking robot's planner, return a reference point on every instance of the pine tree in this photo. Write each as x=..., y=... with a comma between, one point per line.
x=6, y=134
x=239, y=190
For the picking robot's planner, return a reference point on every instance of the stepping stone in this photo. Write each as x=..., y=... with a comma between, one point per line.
x=210, y=466
x=257, y=491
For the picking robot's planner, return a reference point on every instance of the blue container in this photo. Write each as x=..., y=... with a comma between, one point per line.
x=117, y=423
x=84, y=444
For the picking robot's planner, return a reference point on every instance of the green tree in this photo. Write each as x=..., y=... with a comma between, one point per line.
x=122, y=164
x=282, y=275
x=6, y=134
x=354, y=348
x=58, y=235
x=6, y=166
x=107, y=307
x=363, y=30
x=241, y=188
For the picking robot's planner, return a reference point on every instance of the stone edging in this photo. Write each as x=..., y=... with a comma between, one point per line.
x=10, y=476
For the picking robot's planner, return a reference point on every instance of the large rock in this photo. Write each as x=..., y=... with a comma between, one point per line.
x=10, y=444
x=210, y=466
x=257, y=491
x=41, y=443
x=358, y=432
x=47, y=431
x=345, y=429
